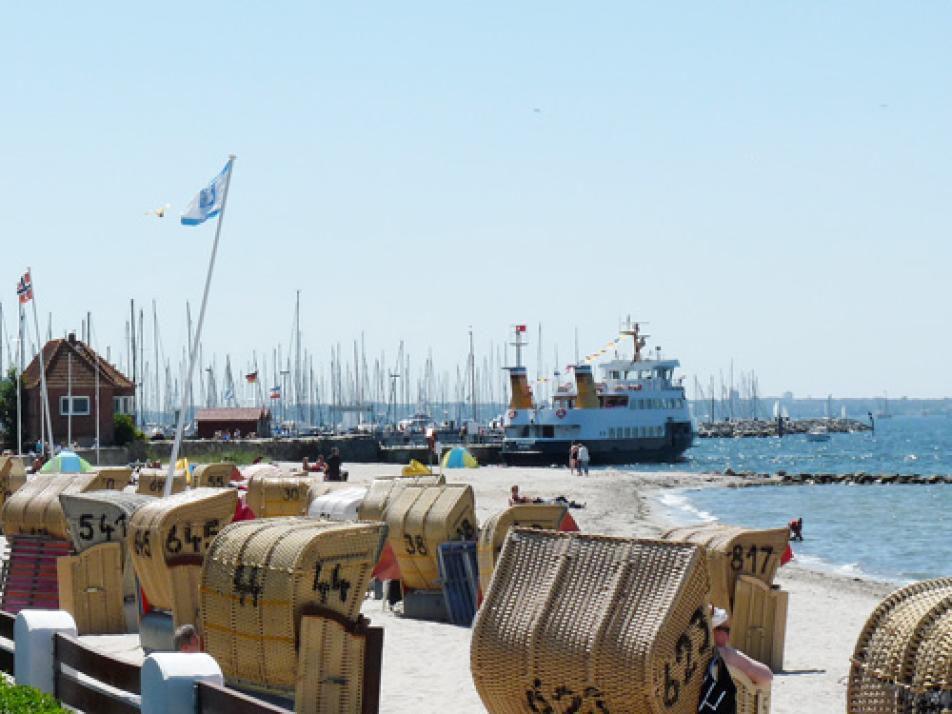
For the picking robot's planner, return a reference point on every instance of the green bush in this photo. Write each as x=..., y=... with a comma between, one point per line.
x=26, y=700
x=125, y=430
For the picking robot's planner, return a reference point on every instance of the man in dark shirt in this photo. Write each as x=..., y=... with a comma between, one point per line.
x=332, y=472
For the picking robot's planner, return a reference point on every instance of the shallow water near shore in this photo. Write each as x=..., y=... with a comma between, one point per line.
x=898, y=533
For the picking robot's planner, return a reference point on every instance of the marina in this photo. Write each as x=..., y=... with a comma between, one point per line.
x=491, y=357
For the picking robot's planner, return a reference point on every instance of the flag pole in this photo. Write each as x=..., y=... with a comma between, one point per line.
x=46, y=396
x=198, y=335
x=19, y=382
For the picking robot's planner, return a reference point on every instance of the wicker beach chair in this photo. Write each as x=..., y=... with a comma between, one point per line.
x=100, y=516
x=575, y=622
x=212, y=475
x=384, y=491
x=733, y=551
x=493, y=532
x=35, y=508
x=421, y=518
x=903, y=657
x=261, y=577
x=12, y=476
x=168, y=539
x=152, y=482
x=278, y=496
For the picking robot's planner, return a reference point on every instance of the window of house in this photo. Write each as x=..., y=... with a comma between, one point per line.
x=80, y=406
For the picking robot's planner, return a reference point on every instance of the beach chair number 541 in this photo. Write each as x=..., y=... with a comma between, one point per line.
x=684, y=658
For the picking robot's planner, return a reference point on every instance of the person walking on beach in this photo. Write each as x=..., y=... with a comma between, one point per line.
x=573, y=457
x=583, y=459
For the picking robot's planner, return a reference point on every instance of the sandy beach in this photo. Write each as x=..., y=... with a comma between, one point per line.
x=426, y=665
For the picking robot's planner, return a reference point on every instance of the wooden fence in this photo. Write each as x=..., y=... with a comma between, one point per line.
x=76, y=665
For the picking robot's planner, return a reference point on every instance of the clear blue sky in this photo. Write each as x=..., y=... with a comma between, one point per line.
x=768, y=182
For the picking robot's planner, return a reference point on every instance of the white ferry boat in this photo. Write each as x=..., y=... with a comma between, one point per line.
x=637, y=412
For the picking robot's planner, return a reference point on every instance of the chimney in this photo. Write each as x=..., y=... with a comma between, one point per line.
x=71, y=338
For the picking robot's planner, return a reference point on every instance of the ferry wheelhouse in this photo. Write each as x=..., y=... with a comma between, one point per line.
x=637, y=412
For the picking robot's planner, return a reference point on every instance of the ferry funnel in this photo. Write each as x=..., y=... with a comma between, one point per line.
x=586, y=398
x=519, y=385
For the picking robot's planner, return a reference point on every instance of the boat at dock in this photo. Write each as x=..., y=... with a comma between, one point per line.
x=818, y=434
x=638, y=412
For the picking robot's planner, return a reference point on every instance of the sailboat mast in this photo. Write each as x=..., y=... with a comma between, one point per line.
x=472, y=374
x=155, y=345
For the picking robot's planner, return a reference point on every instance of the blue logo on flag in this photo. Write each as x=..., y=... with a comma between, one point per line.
x=208, y=202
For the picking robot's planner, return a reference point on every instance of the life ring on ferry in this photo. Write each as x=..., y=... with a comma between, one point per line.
x=512, y=413
x=560, y=412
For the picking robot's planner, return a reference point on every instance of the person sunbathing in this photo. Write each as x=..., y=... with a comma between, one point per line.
x=515, y=497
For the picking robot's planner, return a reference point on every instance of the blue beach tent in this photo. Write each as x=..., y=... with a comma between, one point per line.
x=459, y=458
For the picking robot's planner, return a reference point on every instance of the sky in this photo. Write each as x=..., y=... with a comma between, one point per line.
x=767, y=183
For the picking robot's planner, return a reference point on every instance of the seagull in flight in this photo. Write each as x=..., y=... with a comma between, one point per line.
x=159, y=212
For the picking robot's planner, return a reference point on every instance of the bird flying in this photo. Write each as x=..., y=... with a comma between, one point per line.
x=159, y=212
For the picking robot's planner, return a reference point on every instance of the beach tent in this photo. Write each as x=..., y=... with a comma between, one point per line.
x=459, y=458
x=66, y=462
x=415, y=469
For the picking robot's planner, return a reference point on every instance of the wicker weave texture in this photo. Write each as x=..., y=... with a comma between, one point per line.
x=330, y=670
x=169, y=529
x=261, y=576
x=575, y=622
x=733, y=551
x=152, y=482
x=751, y=698
x=279, y=496
x=493, y=532
x=12, y=476
x=419, y=520
x=901, y=662
x=212, y=475
x=384, y=491
x=100, y=516
x=35, y=508
x=90, y=589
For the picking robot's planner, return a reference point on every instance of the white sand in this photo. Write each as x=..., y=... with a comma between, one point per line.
x=426, y=665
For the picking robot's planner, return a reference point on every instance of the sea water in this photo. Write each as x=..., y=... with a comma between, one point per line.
x=898, y=532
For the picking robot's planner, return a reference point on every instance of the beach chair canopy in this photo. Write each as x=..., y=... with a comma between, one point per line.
x=67, y=462
x=459, y=458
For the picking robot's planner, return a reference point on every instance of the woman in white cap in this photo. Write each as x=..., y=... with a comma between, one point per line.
x=718, y=693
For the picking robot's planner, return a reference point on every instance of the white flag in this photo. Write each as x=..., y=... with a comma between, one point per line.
x=207, y=203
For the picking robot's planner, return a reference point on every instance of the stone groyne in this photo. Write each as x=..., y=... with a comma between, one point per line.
x=860, y=478
x=771, y=427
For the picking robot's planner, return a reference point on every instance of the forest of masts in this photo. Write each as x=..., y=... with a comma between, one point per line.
x=727, y=400
x=347, y=387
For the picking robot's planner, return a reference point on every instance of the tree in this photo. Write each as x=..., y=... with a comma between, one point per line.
x=125, y=429
x=8, y=409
